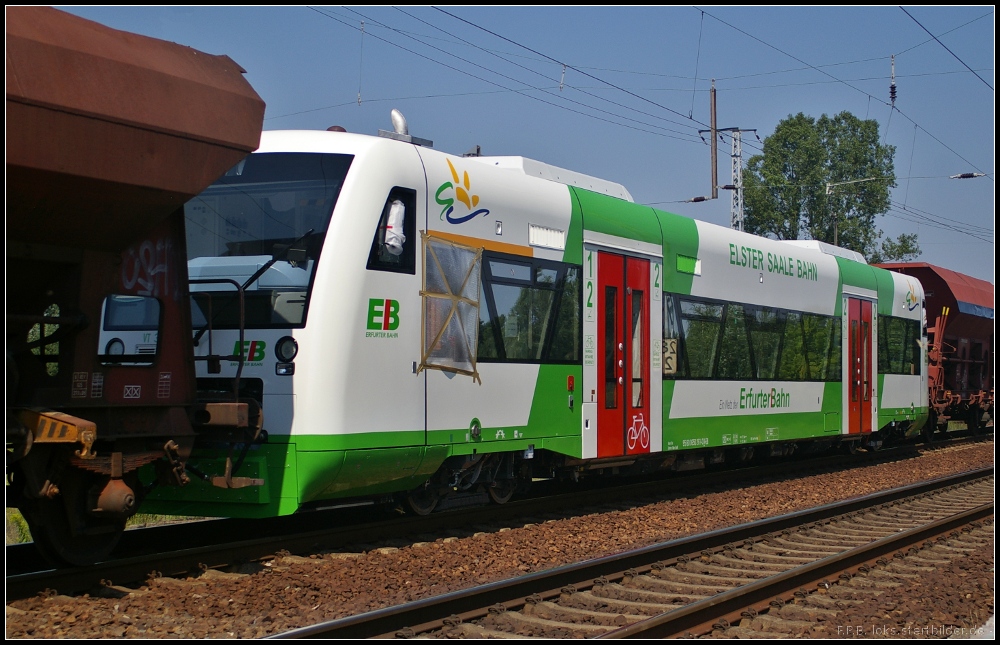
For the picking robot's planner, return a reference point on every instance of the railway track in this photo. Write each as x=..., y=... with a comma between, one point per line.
x=183, y=549
x=757, y=573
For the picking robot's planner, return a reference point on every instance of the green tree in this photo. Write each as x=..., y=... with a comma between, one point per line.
x=902, y=249
x=826, y=180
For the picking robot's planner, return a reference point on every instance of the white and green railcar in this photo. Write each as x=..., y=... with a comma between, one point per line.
x=436, y=328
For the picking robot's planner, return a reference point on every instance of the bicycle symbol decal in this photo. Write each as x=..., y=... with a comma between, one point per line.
x=638, y=433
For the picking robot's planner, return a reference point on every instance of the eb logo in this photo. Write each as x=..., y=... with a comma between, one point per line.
x=383, y=314
x=252, y=350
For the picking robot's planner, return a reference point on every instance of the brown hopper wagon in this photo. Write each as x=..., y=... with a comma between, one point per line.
x=960, y=338
x=109, y=133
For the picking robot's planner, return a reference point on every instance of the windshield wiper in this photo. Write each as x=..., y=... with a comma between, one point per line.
x=282, y=253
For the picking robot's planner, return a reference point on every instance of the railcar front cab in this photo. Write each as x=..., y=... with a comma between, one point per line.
x=253, y=239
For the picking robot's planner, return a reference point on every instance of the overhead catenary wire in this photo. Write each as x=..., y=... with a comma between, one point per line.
x=361, y=54
x=522, y=92
x=913, y=147
x=898, y=214
x=600, y=80
x=742, y=88
x=806, y=65
x=480, y=47
x=946, y=48
x=561, y=84
x=964, y=24
x=793, y=57
x=697, y=59
x=915, y=214
x=541, y=56
x=941, y=219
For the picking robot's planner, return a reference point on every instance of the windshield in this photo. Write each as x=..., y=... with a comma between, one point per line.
x=269, y=207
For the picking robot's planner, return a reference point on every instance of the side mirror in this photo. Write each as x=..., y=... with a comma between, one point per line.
x=296, y=256
x=295, y=253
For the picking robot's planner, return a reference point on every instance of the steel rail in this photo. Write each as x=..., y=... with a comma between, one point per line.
x=698, y=618
x=471, y=602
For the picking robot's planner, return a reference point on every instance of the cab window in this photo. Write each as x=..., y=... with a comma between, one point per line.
x=395, y=241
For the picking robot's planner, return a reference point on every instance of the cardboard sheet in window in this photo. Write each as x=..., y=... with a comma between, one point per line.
x=450, y=298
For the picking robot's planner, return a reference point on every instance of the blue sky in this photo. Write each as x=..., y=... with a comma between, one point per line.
x=634, y=93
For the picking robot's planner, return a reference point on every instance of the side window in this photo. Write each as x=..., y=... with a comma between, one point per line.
x=767, y=327
x=823, y=346
x=566, y=337
x=700, y=324
x=833, y=362
x=394, y=245
x=898, y=345
x=734, y=341
x=793, y=365
x=529, y=310
x=734, y=357
x=911, y=351
x=671, y=339
x=883, y=345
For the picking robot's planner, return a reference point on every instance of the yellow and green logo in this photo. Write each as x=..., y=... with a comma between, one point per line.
x=462, y=191
x=911, y=297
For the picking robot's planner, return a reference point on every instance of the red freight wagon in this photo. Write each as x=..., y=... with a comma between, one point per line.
x=109, y=133
x=960, y=343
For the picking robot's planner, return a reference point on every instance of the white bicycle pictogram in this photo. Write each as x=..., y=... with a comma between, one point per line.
x=638, y=433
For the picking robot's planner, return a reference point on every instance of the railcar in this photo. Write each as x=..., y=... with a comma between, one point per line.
x=108, y=135
x=961, y=339
x=439, y=330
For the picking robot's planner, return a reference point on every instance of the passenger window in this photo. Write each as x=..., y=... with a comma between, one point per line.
x=701, y=322
x=749, y=342
x=734, y=357
x=529, y=310
x=394, y=246
x=671, y=339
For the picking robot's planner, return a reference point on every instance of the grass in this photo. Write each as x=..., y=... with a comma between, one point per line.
x=17, y=528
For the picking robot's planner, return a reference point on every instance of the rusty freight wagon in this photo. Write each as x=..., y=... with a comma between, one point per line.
x=960, y=335
x=109, y=133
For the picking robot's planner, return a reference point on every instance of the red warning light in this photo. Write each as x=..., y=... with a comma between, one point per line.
x=569, y=383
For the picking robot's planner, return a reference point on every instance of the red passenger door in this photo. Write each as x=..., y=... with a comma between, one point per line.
x=860, y=365
x=623, y=355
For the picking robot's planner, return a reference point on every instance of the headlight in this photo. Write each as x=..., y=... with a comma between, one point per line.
x=286, y=349
x=115, y=347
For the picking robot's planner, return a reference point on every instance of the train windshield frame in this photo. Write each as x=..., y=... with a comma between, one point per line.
x=269, y=208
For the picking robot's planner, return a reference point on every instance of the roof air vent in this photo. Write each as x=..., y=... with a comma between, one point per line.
x=401, y=132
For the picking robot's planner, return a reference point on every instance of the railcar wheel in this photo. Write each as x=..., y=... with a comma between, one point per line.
x=502, y=490
x=421, y=501
x=63, y=530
